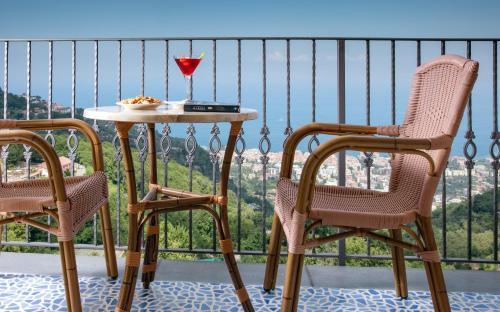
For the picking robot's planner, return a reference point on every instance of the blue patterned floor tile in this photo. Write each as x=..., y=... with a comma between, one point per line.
x=23, y=292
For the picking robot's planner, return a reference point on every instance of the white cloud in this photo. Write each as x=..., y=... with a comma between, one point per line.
x=280, y=57
x=355, y=58
x=301, y=58
x=330, y=57
x=349, y=57
x=276, y=56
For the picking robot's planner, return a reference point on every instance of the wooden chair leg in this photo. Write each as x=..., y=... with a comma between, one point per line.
x=440, y=287
x=273, y=255
x=430, y=281
x=232, y=267
x=151, y=251
x=399, y=267
x=72, y=276
x=434, y=271
x=65, y=276
x=108, y=242
x=291, y=288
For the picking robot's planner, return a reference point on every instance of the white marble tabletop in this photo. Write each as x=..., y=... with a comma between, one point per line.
x=163, y=115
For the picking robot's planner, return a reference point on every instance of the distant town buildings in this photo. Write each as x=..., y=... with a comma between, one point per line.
x=41, y=108
x=19, y=172
x=356, y=173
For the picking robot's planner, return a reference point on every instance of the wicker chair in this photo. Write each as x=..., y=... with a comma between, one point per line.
x=420, y=148
x=71, y=201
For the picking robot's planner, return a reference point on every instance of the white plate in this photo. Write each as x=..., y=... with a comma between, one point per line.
x=150, y=106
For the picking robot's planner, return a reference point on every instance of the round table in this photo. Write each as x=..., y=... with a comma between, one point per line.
x=145, y=212
x=163, y=115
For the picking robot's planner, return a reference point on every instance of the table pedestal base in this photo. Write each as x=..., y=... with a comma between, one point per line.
x=146, y=212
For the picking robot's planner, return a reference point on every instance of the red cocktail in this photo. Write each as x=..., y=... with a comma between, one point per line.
x=188, y=65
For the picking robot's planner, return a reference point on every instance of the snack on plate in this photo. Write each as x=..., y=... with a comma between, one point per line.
x=141, y=100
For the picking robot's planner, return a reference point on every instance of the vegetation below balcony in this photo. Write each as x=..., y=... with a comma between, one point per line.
x=251, y=212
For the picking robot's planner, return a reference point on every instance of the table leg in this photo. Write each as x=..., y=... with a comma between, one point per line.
x=134, y=251
x=225, y=237
x=153, y=229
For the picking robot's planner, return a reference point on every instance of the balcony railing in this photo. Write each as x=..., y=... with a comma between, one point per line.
x=334, y=79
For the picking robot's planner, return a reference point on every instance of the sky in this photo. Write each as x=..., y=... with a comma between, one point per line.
x=146, y=19
x=150, y=18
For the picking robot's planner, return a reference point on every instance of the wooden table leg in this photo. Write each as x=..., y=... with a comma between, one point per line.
x=225, y=236
x=134, y=252
x=153, y=229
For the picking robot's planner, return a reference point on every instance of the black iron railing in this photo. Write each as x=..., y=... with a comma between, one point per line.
x=263, y=142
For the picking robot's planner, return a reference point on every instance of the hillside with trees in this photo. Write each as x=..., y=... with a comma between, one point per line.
x=176, y=224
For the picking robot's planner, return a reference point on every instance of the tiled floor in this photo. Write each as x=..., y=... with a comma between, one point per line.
x=26, y=292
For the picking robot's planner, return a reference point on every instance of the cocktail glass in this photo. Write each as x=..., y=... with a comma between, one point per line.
x=188, y=65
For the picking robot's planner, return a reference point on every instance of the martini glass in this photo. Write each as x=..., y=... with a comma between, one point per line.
x=188, y=65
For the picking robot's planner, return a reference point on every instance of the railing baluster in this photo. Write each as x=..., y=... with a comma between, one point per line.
x=288, y=130
x=72, y=140
x=141, y=140
x=165, y=142
x=470, y=151
x=314, y=138
x=495, y=155
x=443, y=194
x=95, y=125
x=239, y=150
x=190, y=145
x=143, y=59
x=191, y=80
x=419, y=53
x=167, y=55
x=27, y=149
x=368, y=161
x=341, y=120
x=5, y=148
x=73, y=78
x=419, y=61
x=165, y=146
x=116, y=147
x=49, y=137
x=119, y=73
x=393, y=82
x=96, y=80
x=49, y=98
x=214, y=143
x=264, y=147
x=313, y=82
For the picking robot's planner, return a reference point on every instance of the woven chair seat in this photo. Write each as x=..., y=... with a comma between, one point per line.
x=351, y=207
x=86, y=194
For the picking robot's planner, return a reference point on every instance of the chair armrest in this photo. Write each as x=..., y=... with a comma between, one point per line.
x=314, y=128
x=365, y=144
x=43, y=147
x=65, y=123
